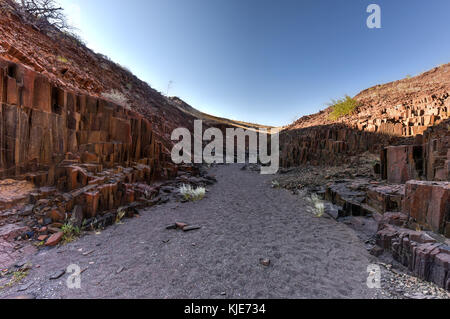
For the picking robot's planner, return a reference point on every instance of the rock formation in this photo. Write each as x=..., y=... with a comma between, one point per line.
x=88, y=148
x=71, y=151
x=407, y=123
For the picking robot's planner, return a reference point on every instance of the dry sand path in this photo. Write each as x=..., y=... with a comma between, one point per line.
x=243, y=219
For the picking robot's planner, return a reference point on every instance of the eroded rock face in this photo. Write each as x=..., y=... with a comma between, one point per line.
x=328, y=144
x=423, y=255
x=402, y=163
x=393, y=114
x=44, y=128
x=428, y=158
x=428, y=204
x=88, y=149
x=436, y=150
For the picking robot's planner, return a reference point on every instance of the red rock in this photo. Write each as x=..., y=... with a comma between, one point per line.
x=181, y=225
x=396, y=219
x=54, y=239
x=53, y=230
x=42, y=237
x=106, y=134
x=402, y=163
x=92, y=200
x=427, y=203
x=437, y=152
x=43, y=229
x=386, y=198
x=56, y=215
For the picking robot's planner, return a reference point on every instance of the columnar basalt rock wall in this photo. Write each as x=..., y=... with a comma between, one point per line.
x=436, y=150
x=411, y=118
x=428, y=204
x=426, y=258
x=402, y=124
x=428, y=159
x=46, y=129
x=328, y=144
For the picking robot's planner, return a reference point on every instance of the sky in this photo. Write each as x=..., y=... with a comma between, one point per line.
x=266, y=62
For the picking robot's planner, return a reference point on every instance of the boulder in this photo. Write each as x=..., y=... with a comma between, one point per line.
x=54, y=239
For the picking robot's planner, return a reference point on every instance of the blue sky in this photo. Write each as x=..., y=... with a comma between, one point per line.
x=265, y=61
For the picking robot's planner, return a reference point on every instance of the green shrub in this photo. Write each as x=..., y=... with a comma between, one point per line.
x=70, y=233
x=342, y=107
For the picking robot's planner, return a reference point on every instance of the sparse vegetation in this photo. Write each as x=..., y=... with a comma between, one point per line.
x=70, y=233
x=342, y=107
x=192, y=194
x=117, y=97
x=62, y=59
x=39, y=243
x=318, y=207
x=120, y=215
x=17, y=276
x=45, y=15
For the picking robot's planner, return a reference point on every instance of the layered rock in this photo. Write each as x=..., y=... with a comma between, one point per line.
x=428, y=204
x=428, y=158
x=423, y=255
x=436, y=148
x=45, y=128
x=328, y=144
x=91, y=150
x=392, y=114
x=402, y=163
x=361, y=197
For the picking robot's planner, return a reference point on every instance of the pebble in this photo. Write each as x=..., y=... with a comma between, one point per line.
x=190, y=228
x=88, y=253
x=264, y=262
x=25, y=286
x=120, y=270
x=57, y=275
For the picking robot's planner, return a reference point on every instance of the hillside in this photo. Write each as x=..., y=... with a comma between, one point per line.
x=85, y=144
x=214, y=120
x=403, y=112
x=69, y=64
x=385, y=102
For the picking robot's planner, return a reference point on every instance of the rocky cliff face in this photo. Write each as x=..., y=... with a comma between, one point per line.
x=406, y=123
x=71, y=66
x=405, y=112
x=79, y=153
x=47, y=128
